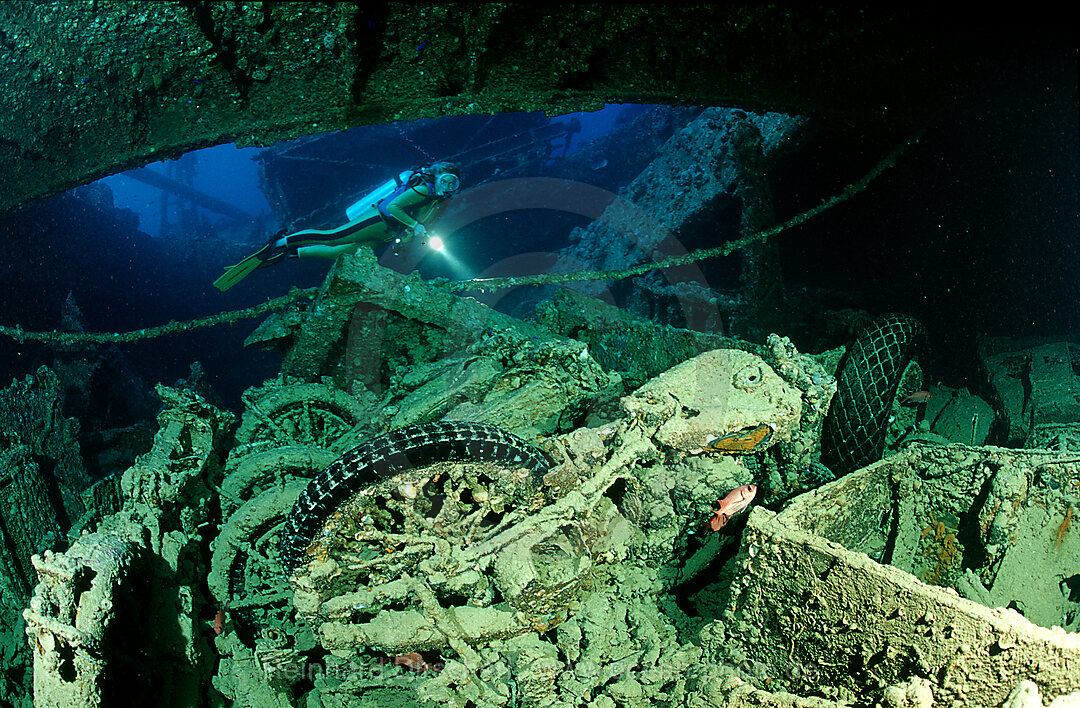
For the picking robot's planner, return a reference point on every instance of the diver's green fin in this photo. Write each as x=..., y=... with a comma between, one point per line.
x=238, y=272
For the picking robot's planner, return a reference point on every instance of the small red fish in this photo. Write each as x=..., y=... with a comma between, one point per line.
x=916, y=399
x=414, y=661
x=219, y=618
x=736, y=500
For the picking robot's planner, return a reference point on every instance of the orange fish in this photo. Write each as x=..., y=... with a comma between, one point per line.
x=916, y=399
x=736, y=500
x=741, y=442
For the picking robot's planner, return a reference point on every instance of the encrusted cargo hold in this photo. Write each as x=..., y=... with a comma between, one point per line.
x=582, y=571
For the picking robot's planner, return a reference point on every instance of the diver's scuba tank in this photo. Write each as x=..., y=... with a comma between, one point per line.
x=376, y=195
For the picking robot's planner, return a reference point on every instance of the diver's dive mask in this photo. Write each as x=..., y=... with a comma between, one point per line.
x=446, y=184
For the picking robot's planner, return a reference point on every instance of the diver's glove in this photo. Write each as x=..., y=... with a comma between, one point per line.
x=419, y=231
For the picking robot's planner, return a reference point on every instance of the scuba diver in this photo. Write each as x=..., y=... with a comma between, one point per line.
x=395, y=211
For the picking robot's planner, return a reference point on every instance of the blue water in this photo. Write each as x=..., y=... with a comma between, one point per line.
x=232, y=174
x=972, y=231
x=224, y=171
x=158, y=263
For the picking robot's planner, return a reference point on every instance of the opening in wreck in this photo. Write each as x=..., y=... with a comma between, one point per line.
x=539, y=195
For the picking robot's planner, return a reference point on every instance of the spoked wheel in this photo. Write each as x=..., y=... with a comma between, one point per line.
x=303, y=414
x=246, y=569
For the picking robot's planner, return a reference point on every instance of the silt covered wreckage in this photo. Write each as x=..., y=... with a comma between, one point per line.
x=437, y=502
